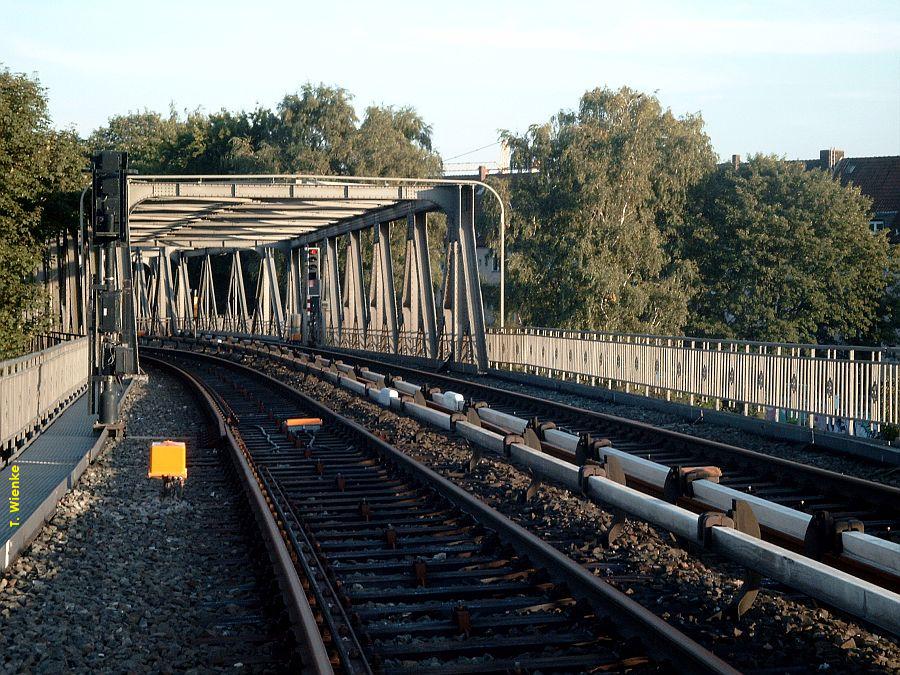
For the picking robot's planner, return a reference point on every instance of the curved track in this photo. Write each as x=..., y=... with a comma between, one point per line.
x=406, y=572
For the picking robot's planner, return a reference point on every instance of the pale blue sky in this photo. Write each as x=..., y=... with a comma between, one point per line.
x=784, y=77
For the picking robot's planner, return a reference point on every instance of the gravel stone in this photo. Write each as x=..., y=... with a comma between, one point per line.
x=124, y=579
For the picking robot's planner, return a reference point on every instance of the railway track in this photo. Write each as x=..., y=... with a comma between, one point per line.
x=854, y=552
x=402, y=571
x=245, y=623
x=792, y=484
x=838, y=500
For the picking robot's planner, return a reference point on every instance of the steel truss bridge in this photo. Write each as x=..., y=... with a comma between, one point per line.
x=277, y=218
x=173, y=218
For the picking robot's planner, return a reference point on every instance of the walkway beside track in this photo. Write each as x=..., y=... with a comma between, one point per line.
x=42, y=474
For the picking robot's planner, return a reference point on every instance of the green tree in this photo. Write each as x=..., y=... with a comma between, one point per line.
x=315, y=131
x=39, y=172
x=588, y=229
x=147, y=136
x=785, y=254
x=394, y=142
x=255, y=151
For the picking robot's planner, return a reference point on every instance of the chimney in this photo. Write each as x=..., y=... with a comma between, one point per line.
x=735, y=161
x=828, y=159
x=482, y=173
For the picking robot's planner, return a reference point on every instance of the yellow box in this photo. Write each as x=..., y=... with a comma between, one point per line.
x=168, y=460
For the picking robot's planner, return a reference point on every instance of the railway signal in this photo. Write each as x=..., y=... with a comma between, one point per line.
x=112, y=325
x=312, y=268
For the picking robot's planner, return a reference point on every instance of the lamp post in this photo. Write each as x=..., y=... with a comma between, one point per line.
x=502, y=254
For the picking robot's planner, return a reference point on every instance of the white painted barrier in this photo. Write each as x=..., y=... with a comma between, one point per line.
x=450, y=400
x=374, y=377
x=497, y=418
x=33, y=386
x=864, y=548
x=355, y=386
x=435, y=417
x=385, y=396
x=851, y=594
x=406, y=388
x=831, y=382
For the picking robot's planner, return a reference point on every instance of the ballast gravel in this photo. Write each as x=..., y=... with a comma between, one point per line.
x=124, y=579
x=783, y=632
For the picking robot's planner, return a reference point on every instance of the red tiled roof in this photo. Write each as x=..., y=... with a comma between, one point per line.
x=877, y=178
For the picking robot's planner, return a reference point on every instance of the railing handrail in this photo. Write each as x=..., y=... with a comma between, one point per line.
x=616, y=337
x=826, y=386
x=12, y=365
x=34, y=387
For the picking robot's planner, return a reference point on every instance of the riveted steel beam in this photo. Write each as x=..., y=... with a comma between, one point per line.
x=417, y=302
x=382, y=298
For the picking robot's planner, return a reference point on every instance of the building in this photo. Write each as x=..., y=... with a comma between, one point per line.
x=879, y=179
x=488, y=266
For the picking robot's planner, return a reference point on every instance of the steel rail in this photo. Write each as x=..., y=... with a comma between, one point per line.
x=871, y=602
x=305, y=628
x=867, y=491
x=660, y=639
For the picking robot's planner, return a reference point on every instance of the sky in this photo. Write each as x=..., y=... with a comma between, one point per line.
x=789, y=78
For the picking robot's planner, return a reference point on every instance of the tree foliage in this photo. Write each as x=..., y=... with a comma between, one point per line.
x=39, y=170
x=618, y=219
x=588, y=228
x=315, y=130
x=394, y=142
x=147, y=135
x=785, y=254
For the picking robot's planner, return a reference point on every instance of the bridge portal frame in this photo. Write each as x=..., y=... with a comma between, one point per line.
x=173, y=218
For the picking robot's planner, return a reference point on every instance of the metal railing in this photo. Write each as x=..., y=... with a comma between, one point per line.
x=35, y=386
x=409, y=343
x=49, y=339
x=216, y=324
x=832, y=387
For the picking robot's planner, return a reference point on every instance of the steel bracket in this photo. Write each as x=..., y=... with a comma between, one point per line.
x=586, y=470
x=823, y=534
x=472, y=416
x=509, y=439
x=534, y=432
x=678, y=482
x=709, y=520
x=589, y=448
x=475, y=459
x=457, y=417
x=741, y=513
